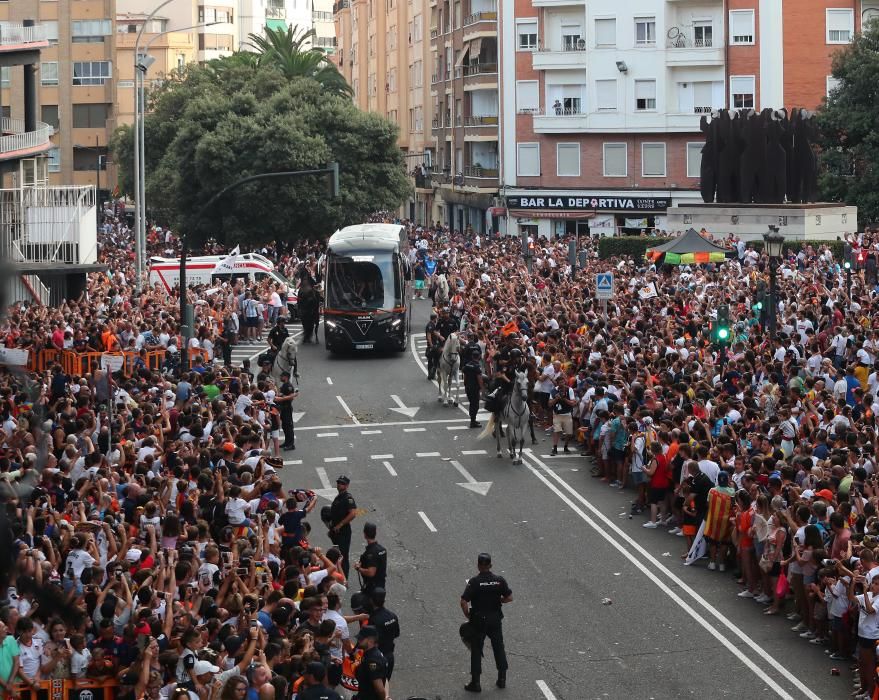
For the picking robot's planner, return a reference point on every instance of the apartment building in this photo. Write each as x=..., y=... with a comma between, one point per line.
x=76, y=85
x=602, y=101
x=380, y=49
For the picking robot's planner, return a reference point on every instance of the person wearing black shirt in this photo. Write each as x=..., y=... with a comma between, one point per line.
x=373, y=564
x=342, y=511
x=278, y=335
x=434, y=345
x=387, y=624
x=372, y=671
x=284, y=401
x=481, y=602
x=313, y=687
x=472, y=371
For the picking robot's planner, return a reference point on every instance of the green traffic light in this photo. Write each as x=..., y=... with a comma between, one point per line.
x=847, y=265
x=759, y=306
x=723, y=333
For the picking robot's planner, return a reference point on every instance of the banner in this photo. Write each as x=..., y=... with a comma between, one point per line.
x=699, y=548
x=13, y=357
x=648, y=291
x=226, y=266
x=111, y=362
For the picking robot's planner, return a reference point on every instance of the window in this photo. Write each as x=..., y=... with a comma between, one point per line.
x=703, y=97
x=49, y=73
x=840, y=26
x=391, y=38
x=51, y=30
x=605, y=32
x=572, y=38
x=606, y=95
x=54, y=159
x=527, y=31
x=5, y=76
x=832, y=84
x=90, y=30
x=419, y=70
x=645, y=95
x=91, y=72
x=615, y=155
x=90, y=158
x=528, y=159
x=214, y=42
x=392, y=80
x=417, y=28
x=419, y=119
x=653, y=160
x=741, y=27
x=645, y=31
x=527, y=96
x=694, y=159
x=565, y=99
x=49, y=115
x=741, y=90
x=568, y=159
x=703, y=33
x=90, y=116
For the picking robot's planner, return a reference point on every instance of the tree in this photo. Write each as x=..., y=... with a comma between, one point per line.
x=204, y=133
x=848, y=123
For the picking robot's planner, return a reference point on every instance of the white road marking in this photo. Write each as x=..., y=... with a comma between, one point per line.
x=414, y=430
x=347, y=410
x=327, y=491
x=547, y=693
x=408, y=411
x=328, y=435
x=329, y=381
x=544, y=474
x=427, y=454
x=456, y=427
x=381, y=457
x=561, y=456
x=370, y=432
x=390, y=468
x=335, y=459
x=474, y=452
x=480, y=487
x=324, y=479
x=387, y=424
x=292, y=461
x=427, y=521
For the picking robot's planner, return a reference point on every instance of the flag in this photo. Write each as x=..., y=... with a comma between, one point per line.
x=648, y=291
x=510, y=328
x=699, y=548
x=226, y=266
x=115, y=193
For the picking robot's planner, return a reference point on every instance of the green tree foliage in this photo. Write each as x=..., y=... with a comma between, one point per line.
x=213, y=125
x=849, y=128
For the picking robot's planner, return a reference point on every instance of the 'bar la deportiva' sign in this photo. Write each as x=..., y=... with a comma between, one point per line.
x=597, y=203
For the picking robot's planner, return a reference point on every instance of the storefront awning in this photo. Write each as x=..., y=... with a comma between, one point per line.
x=551, y=214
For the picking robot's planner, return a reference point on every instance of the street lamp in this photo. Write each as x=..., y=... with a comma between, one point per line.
x=773, y=243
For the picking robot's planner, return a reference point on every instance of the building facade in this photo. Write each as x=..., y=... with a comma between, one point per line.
x=602, y=101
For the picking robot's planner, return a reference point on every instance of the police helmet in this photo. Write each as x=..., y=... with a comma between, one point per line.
x=515, y=353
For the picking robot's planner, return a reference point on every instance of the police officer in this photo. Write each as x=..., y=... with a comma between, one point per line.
x=278, y=335
x=371, y=673
x=448, y=324
x=472, y=371
x=373, y=564
x=387, y=624
x=287, y=393
x=313, y=687
x=434, y=344
x=342, y=512
x=481, y=602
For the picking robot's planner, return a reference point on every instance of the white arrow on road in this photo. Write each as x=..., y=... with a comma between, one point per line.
x=403, y=408
x=327, y=491
x=480, y=487
x=297, y=416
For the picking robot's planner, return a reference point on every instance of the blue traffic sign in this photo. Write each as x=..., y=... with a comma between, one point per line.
x=604, y=285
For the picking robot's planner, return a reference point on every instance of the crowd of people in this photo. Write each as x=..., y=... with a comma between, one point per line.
x=153, y=543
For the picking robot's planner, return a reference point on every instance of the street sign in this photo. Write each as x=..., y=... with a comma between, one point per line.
x=604, y=285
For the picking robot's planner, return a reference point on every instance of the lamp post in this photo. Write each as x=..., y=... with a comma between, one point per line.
x=774, y=245
x=332, y=169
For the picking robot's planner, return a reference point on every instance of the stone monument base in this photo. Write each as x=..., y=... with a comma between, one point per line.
x=825, y=221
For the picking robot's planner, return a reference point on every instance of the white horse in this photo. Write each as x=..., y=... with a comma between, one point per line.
x=285, y=360
x=516, y=414
x=449, y=363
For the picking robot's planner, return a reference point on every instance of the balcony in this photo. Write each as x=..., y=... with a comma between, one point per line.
x=560, y=120
x=480, y=24
x=434, y=32
x=570, y=57
x=487, y=120
x=478, y=76
x=477, y=17
x=18, y=143
x=276, y=12
x=688, y=48
x=17, y=37
x=479, y=172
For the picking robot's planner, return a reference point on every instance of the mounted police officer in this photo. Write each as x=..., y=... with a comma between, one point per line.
x=435, y=342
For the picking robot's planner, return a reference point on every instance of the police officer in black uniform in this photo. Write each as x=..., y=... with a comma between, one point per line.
x=472, y=371
x=387, y=624
x=434, y=344
x=371, y=674
x=373, y=564
x=287, y=393
x=481, y=602
x=447, y=324
x=313, y=687
x=342, y=512
x=278, y=335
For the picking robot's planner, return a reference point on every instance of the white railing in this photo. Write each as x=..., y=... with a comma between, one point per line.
x=11, y=33
x=18, y=139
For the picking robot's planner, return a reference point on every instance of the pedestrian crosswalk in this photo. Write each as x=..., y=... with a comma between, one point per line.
x=248, y=351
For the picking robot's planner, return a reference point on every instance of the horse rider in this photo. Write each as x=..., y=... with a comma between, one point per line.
x=277, y=336
x=507, y=362
x=435, y=342
x=447, y=323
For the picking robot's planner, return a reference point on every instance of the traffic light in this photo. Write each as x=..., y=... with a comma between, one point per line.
x=847, y=256
x=722, y=329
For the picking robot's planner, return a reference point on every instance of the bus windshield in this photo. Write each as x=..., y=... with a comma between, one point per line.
x=363, y=281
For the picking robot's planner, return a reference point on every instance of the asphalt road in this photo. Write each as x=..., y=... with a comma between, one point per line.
x=562, y=539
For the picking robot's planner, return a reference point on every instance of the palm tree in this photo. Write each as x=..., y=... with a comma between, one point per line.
x=286, y=50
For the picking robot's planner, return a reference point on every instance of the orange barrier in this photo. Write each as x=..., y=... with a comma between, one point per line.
x=73, y=689
x=198, y=352
x=42, y=360
x=154, y=359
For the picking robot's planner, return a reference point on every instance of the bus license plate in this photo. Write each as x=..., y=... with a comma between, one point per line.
x=363, y=346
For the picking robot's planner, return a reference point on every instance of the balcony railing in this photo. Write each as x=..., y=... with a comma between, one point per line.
x=458, y=71
x=679, y=39
x=341, y=5
x=480, y=69
x=434, y=32
x=435, y=78
x=276, y=12
x=20, y=140
x=560, y=111
x=479, y=17
x=474, y=120
x=479, y=171
x=436, y=124
x=579, y=45
x=13, y=34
